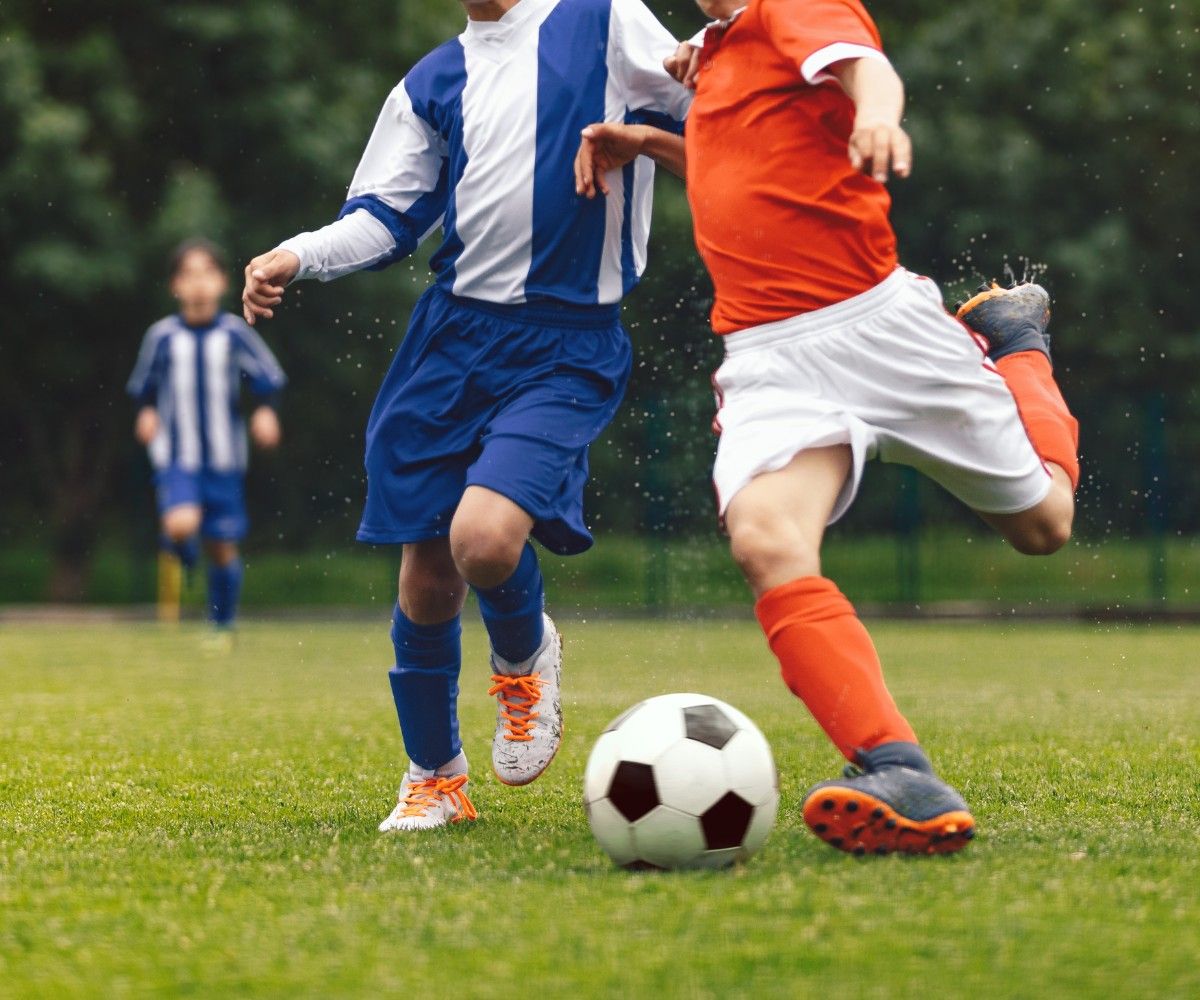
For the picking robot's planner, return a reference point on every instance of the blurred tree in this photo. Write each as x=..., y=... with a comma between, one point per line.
x=1067, y=132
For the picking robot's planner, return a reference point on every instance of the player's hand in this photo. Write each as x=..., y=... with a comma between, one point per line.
x=146, y=425
x=264, y=428
x=879, y=149
x=605, y=146
x=684, y=64
x=266, y=278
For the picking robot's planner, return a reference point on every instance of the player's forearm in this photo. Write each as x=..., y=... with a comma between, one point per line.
x=666, y=149
x=343, y=247
x=875, y=88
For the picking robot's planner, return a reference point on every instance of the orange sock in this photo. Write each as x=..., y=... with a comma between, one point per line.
x=830, y=663
x=1051, y=428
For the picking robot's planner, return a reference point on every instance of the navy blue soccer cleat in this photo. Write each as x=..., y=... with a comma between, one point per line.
x=892, y=802
x=1009, y=319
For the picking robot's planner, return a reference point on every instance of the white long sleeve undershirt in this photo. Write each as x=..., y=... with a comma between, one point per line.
x=343, y=247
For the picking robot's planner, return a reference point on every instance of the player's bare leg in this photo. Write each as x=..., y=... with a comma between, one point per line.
x=1044, y=529
x=489, y=538
x=179, y=526
x=891, y=800
x=777, y=522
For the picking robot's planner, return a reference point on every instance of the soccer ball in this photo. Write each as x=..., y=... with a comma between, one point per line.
x=681, y=781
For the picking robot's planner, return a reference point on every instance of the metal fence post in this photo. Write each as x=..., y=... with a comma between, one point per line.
x=656, y=507
x=1154, y=467
x=908, y=536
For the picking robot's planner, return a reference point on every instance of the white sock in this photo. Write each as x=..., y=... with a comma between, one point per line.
x=525, y=667
x=452, y=767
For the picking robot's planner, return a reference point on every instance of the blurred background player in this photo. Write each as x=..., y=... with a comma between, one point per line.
x=834, y=355
x=187, y=383
x=514, y=360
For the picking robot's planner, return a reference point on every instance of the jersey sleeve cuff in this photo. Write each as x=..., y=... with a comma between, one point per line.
x=814, y=68
x=299, y=246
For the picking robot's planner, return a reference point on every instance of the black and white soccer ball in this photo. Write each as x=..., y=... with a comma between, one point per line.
x=681, y=781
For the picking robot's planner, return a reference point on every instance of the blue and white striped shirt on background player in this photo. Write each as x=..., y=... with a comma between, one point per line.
x=479, y=139
x=193, y=377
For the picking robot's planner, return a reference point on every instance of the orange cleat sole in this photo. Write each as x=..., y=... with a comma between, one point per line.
x=861, y=824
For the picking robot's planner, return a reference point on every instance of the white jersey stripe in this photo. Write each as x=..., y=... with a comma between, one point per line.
x=217, y=379
x=187, y=406
x=494, y=197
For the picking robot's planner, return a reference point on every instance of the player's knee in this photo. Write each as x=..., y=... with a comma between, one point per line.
x=181, y=524
x=429, y=598
x=1046, y=535
x=769, y=554
x=485, y=554
x=221, y=553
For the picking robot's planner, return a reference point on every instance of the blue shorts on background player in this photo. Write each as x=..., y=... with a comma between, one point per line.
x=187, y=383
x=514, y=361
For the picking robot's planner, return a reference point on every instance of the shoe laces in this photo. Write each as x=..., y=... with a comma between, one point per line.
x=423, y=795
x=518, y=716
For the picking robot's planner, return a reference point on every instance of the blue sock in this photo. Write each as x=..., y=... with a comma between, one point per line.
x=224, y=589
x=188, y=551
x=512, y=611
x=425, y=688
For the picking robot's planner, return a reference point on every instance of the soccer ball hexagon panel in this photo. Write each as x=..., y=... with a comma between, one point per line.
x=681, y=781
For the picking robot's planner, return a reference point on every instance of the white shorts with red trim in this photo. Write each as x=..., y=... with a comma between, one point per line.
x=888, y=372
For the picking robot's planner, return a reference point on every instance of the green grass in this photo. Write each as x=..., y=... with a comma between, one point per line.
x=176, y=825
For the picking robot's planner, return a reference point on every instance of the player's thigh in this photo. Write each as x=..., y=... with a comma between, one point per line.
x=182, y=521
x=431, y=588
x=180, y=502
x=776, y=523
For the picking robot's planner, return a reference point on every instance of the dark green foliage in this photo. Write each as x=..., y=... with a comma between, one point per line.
x=1063, y=131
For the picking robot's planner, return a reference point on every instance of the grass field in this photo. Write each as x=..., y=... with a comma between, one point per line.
x=176, y=825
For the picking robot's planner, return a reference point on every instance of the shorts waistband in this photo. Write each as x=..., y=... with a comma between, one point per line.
x=819, y=320
x=541, y=312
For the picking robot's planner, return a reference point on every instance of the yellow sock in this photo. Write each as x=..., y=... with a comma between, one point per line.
x=170, y=586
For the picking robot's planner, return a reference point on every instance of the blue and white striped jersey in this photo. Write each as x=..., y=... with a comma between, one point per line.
x=479, y=139
x=193, y=376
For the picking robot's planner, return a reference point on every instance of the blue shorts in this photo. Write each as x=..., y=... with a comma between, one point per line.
x=506, y=397
x=219, y=495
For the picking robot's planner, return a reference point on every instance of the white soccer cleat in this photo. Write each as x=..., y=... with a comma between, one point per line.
x=429, y=802
x=529, y=720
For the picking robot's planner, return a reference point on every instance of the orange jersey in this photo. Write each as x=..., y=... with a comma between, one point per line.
x=783, y=222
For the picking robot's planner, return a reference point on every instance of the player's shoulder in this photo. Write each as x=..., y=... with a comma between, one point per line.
x=162, y=327
x=437, y=71
x=233, y=324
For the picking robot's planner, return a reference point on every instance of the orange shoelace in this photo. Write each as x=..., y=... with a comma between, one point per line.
x=518, y=717
x=423, y=794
